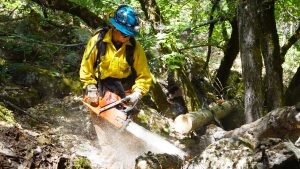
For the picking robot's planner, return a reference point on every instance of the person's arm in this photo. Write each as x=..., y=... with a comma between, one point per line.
x=143, y=80
x=87, y=72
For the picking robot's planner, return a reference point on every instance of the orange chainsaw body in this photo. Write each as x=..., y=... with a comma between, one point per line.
x=114, y=115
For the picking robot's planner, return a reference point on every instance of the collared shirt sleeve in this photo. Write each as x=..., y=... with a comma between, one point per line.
x=143, y=80
x=87, y=72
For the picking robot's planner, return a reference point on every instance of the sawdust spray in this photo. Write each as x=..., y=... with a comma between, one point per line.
x=119, y=148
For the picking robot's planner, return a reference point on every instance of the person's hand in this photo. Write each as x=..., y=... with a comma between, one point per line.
x=134, y=97
x=92, y=92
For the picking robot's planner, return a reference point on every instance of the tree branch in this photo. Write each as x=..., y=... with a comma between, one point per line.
x=85, y=14
x=293, y=39
x=213, y=21
x=200, y=45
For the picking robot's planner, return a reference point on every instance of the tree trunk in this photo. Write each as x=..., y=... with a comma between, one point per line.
x=251, y=58
x=85, y=14
x=271, y=53
x=230, y=54
x=159, y=96
x=195, y=120
x=292, y=94
x=191, y=98
x=152, y=13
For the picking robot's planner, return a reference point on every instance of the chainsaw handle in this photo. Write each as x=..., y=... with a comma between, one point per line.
x=113, y=104
x=126, y=99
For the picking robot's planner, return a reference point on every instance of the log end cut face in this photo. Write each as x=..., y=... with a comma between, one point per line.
x=183, y=124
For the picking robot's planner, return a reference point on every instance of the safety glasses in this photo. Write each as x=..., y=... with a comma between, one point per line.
x=124, y=35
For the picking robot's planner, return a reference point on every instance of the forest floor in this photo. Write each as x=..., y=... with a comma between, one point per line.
x=54, y=134
x=58, y=133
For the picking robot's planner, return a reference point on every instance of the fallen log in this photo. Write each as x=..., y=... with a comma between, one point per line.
x=280, y=123
x=194, y=120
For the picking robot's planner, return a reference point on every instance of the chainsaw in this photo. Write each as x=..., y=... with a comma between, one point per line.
x=115, y=110
x=111, y=108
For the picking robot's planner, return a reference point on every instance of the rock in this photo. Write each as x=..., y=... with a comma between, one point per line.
x=226, y=153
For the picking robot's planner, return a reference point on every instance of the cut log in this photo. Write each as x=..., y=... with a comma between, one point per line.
x=195, y=120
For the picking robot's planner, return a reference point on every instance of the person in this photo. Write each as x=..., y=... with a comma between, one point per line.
x=114, y=72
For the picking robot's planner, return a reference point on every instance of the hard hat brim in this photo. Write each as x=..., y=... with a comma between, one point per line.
x=123, y=28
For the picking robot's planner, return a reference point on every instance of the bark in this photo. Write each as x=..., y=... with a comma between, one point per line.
x=158, y=161
x=251, y=59
x=271, y=53
x=292, y=94
x=230, y=54
x=159, y=96
x=195, y=120
x=152, y=13
x=180, y=92
x=85, y=14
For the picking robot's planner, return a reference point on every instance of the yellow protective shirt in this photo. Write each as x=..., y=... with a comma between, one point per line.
x=113, y=64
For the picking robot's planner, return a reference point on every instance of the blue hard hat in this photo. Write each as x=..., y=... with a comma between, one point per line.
x=126, y=20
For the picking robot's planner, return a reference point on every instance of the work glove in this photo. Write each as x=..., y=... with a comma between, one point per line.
x=134, y=97
x=92, y=92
